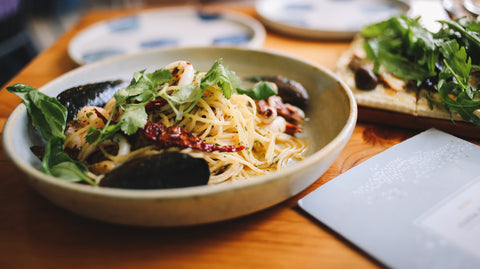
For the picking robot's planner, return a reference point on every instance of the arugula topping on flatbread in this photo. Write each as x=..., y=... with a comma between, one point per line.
x=440, y=70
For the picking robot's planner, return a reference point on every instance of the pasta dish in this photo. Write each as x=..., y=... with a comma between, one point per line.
x=240, y=133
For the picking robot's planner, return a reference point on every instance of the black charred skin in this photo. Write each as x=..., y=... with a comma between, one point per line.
x=94, y=94
x=365, y=79
x=163, y=171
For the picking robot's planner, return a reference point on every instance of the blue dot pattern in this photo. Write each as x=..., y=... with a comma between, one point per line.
x=131, y=23
x=97, y=55
x=157, y=43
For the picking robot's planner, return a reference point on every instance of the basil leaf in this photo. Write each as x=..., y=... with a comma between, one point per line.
x=260, y=91
x=47, y=113
x=59, y=164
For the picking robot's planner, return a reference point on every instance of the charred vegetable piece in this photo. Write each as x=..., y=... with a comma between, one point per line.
x=290, y=91
x=365, y=79
x=175, y=136
x=162, y=171
x=94, y=94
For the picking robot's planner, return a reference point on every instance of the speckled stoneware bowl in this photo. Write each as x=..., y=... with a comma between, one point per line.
x=332, y=112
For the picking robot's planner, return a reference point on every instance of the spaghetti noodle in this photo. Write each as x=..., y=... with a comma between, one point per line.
x=227, y=130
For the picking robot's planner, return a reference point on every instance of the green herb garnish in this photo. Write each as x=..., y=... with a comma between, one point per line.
x=50, y=117
x=447, y=58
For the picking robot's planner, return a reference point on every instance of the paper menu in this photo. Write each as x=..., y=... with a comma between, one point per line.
x=415, y=205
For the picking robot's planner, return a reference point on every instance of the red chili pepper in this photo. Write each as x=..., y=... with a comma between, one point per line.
x=157, y=103
x=175, y=136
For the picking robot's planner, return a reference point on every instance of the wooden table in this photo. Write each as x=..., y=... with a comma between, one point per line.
x=36, y=234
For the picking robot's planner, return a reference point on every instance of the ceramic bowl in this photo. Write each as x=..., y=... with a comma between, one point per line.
x=332, y=113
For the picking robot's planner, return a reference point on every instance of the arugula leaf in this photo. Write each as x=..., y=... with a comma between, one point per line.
x=469, y=35
x=402, y=46
x=260, y=91
x=46, y=112
x=456, y=59
x=456, y=94
x=462, y=103
x=401, y=67
x=409, y=51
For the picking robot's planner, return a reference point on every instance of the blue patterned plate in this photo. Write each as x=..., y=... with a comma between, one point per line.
x=166, y=27
x=327, y=19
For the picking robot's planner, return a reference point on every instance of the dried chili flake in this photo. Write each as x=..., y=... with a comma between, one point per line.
x=175, y=136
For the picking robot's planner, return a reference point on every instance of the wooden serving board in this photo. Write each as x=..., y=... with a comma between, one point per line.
x=391, y=118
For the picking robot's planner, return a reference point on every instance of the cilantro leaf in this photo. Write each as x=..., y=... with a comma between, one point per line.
x=220, y=76
x=58, y=164
x=133, y=118
x=183, y=100
x=143, y=88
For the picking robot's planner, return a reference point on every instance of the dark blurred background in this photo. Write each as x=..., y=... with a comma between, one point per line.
x=29, y=26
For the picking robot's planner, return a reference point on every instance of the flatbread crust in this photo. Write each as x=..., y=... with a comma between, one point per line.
x=408, y=101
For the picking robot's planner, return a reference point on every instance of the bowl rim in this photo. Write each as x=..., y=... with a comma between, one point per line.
x=188, y=192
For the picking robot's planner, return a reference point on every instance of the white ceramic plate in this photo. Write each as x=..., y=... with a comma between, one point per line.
x=166, y=27
x=332, y=114
x=326, y=19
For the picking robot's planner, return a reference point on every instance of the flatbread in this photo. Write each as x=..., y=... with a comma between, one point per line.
x=382, y=96
x=403, y=100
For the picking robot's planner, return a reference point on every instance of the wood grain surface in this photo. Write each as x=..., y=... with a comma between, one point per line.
x=36, y=234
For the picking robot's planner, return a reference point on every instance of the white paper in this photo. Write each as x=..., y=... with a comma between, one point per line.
x=415, y=205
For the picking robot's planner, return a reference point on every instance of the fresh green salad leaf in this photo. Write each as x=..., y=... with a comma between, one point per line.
x=403, y=46
x=457, y=62
x=409, y=51
x=454, y=89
